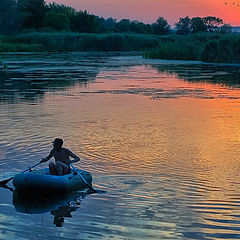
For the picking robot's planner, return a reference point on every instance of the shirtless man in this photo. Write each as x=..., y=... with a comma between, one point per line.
x=62, y=160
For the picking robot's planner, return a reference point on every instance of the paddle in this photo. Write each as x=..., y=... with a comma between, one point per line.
x=80, y=175
x=4, y=182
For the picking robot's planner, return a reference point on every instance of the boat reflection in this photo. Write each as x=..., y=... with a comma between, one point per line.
x=59, y=205
x=61, y=212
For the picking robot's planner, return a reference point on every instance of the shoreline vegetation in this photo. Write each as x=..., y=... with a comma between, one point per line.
x=70, y=42
x=205, y=47
x=35, y=26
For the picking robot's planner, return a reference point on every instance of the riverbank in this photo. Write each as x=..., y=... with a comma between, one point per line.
x=206, y=47
x=67, y=42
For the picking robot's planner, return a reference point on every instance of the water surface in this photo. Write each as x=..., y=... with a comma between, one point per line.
x=160, y=137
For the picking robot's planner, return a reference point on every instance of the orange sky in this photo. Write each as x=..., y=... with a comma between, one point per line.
x=149, y=10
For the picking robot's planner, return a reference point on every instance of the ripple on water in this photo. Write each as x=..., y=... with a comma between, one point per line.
x=169, y=167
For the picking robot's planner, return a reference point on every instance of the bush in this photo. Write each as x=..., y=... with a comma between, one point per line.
x=178, y=49
x=207, y=47
x=67, y=41
x=11, y=47
x=222, y=50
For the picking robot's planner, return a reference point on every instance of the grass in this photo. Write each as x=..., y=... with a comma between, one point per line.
x=207, y=47
x=64, y=42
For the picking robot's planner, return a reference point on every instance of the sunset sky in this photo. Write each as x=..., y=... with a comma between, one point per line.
x=149, y=10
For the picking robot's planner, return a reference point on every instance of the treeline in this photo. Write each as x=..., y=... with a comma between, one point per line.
x=31, y=15
x=36, y=15
x=188, y=25
x=34, y=25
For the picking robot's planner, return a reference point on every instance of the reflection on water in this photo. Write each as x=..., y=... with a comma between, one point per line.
x=60, y=213
x=59, y=205
x=19, y=86
x=30, y=76
x=160, y=137
x=29, y=79
x=222, y=74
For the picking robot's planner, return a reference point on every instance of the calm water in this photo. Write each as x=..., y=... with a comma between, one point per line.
x=160, y=137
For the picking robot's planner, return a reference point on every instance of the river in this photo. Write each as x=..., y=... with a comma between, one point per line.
x=161, y=139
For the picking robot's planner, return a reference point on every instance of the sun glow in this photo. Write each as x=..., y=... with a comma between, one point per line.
x=149, y=10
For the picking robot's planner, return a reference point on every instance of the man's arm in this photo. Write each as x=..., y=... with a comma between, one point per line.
x=75, y=157
x=50, y=155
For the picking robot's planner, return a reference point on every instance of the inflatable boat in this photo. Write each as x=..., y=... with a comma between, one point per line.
x=42, y=180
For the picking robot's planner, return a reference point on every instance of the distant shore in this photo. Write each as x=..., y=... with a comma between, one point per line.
x=206, y=47
x=68, y=41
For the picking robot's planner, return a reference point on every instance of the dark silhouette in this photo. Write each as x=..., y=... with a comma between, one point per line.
x=59, y=205
x=34, y=12
x=84, y=22
x=197, y=24
x=59, y=28
x=10, y=17
x=58, y=17
x=123, y=25
x=61, y=212
x=32, y=15
x=212, y=23
x=161, y=26
x=183, y=26
x=62, y=158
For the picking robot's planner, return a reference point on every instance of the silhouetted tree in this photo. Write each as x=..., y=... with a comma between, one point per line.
x=123, y=25
x=34, y=11
x=225, y=28
x=138, y=27
x=198, y=25
x=84, y=22
x=10, y=18
x=183, y=26
x=58, y=17
x=161, y=26
x=212, y=23
x=149, y=28
x=111, y=22
x=205, y=24
x=36, y=14
x=101, y=24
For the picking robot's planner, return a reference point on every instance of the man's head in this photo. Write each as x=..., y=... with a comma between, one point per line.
x=57, y=143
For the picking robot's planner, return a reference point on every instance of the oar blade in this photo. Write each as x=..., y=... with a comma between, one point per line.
x=4, y=182
x=91, y=189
